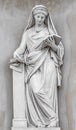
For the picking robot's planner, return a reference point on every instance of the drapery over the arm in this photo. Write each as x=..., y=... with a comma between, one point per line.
x=60, y=53
x=58, y=59
x=19, y=53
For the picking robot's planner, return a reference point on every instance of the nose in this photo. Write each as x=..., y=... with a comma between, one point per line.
x=40, y=19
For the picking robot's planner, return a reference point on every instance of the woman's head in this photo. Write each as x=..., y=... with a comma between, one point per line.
x=39, y=18
x=40, y=12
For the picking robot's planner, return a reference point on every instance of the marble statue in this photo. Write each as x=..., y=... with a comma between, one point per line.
x=41, y=51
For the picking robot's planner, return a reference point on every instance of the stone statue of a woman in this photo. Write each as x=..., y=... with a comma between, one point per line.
x=42, y=52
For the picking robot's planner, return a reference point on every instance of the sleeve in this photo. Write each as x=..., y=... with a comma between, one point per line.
x=60, y=53
x=19, y=53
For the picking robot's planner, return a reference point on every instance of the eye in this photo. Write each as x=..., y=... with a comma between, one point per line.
x=38, y=16
x=42, y=17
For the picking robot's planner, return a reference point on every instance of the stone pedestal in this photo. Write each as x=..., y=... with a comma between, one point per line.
x=19, y=121
x=51, y=128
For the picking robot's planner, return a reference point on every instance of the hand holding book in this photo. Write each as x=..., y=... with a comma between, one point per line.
x=52, y=41
x=54, y=37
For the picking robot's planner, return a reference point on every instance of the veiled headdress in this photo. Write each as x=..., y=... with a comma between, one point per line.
x=48, y=22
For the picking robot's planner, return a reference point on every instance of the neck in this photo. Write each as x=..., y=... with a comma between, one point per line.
x=39, y=25
x=38, y=28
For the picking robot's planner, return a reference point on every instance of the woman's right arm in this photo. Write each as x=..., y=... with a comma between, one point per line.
x=19, y=53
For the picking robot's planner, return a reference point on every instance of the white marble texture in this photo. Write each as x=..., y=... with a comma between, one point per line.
x=35, y=93
x=12, y=24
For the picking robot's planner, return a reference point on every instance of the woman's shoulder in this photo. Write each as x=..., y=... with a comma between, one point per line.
x=26, y=32
x=29, y=30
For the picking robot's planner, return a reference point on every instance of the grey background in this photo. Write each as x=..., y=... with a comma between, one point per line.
x=13, y=19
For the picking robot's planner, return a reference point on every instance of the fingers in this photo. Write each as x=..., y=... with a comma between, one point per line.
x=51, y=38
x=50, y=41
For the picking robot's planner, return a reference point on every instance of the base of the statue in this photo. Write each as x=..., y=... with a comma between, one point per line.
x=50, y=128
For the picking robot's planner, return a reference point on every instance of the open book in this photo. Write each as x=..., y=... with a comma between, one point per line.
x=56, y=37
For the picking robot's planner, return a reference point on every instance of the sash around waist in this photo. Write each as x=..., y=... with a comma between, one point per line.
x=34, y=56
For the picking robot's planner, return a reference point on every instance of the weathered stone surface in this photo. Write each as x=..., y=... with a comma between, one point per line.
x=2, y=117
x=13, y=17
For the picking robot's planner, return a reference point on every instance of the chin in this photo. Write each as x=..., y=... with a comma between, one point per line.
x=40, y=24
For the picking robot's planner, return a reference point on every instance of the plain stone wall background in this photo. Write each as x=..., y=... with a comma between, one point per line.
x=13, y=19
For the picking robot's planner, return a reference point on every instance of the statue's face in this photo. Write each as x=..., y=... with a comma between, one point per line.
x=39, y=18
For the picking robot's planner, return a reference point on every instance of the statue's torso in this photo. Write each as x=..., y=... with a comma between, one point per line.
x=34, y=39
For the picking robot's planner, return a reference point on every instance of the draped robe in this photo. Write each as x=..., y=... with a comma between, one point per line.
x=41, y=78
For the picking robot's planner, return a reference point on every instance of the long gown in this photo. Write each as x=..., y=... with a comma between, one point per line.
x=41, y=79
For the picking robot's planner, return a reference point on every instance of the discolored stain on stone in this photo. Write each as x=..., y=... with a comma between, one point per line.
x=13, y=17
x=71, y=93
x=53, y=5
x=2, y=118
x=72, y=28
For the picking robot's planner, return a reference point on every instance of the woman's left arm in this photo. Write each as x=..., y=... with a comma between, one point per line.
x=58, y=49
x=51, y=41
